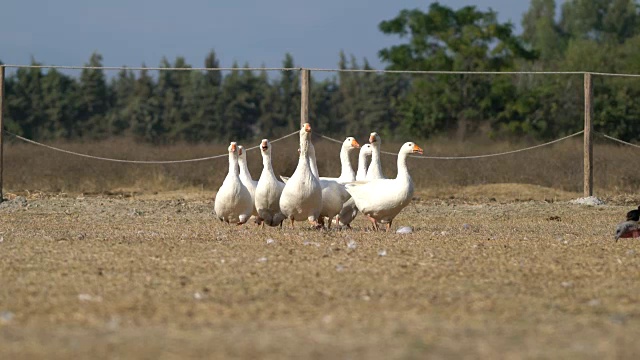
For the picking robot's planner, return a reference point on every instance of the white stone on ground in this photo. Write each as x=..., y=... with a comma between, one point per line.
x=405, y=230
x=591, y=201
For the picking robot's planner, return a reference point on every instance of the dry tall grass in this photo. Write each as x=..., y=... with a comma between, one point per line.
x=559, y=166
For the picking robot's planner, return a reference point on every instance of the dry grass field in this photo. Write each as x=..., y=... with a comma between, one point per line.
x=119, y=261
x=558, y=166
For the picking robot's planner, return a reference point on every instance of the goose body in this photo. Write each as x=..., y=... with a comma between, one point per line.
x=381, y=200
x=334, y=194
x=268, y=191
x=349, y=209
x=301, y=197
x=233, y=202
x=375, y=168
x=245, y=176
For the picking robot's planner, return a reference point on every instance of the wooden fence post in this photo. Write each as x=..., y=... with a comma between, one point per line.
x=304, y=99
x=588, y=135
x=1, y=130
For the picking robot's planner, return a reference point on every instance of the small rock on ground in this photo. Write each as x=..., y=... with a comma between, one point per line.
x=17, y=203
x=591, y=201
x=405, y=230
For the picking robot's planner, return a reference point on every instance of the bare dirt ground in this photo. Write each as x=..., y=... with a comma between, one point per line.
x=500, y=271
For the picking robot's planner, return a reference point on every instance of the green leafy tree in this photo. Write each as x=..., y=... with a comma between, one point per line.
x=25, y=103
x=60, y=102
x=146, y=110
x=445, y=39
x=289, y=87
x=120, y=116
x=603, y=21
x=93, y=101
x=541, y=31
x=240, y=107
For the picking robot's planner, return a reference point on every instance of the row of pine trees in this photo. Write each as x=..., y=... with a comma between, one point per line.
x=203, y=106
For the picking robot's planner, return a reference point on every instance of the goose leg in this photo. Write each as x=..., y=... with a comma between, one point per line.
x=373, y=221
x=389, y=225
x=292, y=226
x=317, y=223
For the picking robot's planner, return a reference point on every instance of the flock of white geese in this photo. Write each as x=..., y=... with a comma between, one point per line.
x=308, y=196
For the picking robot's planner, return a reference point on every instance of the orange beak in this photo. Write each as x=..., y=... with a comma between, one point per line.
x=239, y=151
x=307, y=127
x=233, y=147
x=355, y=144
x=417, y=150
x=264, y=146
x=372, y=139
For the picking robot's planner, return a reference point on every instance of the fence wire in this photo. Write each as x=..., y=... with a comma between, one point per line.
x=80, y=67
x=471, y=156
x=380, y=71
x=282, y=138
x=136, y=161
x=617, y=140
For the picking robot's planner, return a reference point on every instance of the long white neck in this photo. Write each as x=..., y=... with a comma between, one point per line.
x=245, y=175
x=347, y=171
x=266, y=162
x=312, y=161
x=375, y=168
x=233, y=164
x=403, y=171
x=305, y=149
x=362, y=166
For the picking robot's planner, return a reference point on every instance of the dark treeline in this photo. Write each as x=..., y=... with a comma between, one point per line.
x=194, y=106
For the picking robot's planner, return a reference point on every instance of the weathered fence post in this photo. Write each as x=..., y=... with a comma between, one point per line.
x=1, y=130
x=588, y=135
x=304, y=99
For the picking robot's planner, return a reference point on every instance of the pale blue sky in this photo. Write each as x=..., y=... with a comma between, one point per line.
x=66, y=32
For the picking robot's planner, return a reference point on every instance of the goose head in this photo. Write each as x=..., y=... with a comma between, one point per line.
x=374, y=138
x=306, y=128
x=305, y=135
x=233, y=158
x=411, y=148
x=242, y=154
x=265, y=147
x=366, y=150
x=350, y=143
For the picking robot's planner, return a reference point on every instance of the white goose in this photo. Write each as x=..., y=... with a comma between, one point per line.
x=365, y=151
x=346, y=174
x=233, y=201
x=349, y=209
x=245, y=176
x=375, y=168
x=268, y=191
x=302, y=195
x=382, y=199
x=334, y=194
